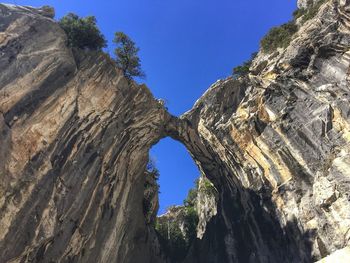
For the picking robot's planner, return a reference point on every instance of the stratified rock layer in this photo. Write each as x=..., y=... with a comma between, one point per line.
x=282, y=134
x=75, y=136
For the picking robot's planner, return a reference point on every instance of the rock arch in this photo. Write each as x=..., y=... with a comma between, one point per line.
x=75, y=137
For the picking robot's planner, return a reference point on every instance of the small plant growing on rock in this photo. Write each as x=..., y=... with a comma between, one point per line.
x=192, y=195
x=82, y=33
x=151, y=190
x=208, y=187
x=243, y=69
x=279, y=37
x=308, y=13
x=299, y=13
x=312, y=11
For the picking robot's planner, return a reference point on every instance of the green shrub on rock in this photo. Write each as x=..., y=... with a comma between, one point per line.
x=299, y=13
x=312, y=11
x=191, y=196
x=279, y=37
x=82, y=33
x=191, y=222
x=151, y=190
x=243, y=70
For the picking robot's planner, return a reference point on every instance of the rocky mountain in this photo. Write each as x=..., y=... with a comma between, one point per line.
x=75, y=136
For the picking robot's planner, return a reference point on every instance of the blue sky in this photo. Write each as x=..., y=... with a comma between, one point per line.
x=186, y=45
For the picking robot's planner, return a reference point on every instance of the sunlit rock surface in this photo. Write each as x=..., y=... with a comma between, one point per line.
x=75, y=136
x=206, y=204
x=283, y=134
x=339, y=256
x=306, y=3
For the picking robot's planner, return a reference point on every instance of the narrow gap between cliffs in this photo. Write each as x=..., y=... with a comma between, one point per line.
x=175, y=195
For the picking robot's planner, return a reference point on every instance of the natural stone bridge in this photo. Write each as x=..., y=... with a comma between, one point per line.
x=75, y=137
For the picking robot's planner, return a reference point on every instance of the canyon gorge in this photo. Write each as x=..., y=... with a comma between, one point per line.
x=75, y=136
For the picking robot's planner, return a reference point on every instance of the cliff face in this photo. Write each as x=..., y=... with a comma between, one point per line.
x=282, y=134
x=75, y=136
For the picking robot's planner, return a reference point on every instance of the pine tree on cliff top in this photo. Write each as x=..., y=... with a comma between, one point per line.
x=126, y=54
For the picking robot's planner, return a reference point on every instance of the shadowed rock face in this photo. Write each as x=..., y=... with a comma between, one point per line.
x=282, y=136
x=75, y=136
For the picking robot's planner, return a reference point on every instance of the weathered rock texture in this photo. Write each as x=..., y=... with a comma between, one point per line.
x=306, y=3
x=206, y=204
x=282, y=135
x=75, y=137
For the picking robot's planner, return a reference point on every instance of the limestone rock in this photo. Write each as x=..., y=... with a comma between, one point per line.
x=339, y=256
x=206, y=204
x=282, y=138
x=75, y=137
x=306, y=3
x=71, y=188
x=175, y=215
x=150, y=198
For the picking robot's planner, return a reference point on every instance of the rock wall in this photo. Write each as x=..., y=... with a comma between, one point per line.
x=75, y=136
x=206, y=204
x=282, y=135
x=306, y=3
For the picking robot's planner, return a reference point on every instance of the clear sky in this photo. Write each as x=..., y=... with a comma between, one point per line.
x=186, y=45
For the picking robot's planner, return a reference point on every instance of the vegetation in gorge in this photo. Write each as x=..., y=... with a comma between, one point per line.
x=207, y=187
x=177, y=228
x=151, y=190
x=171, y=236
